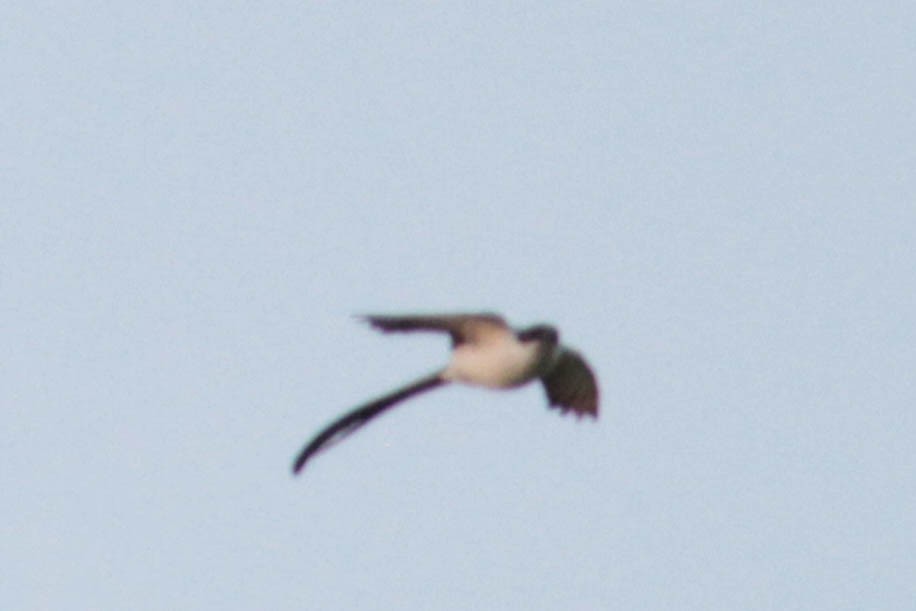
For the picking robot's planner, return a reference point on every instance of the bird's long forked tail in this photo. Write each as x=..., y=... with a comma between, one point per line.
x=353, y=420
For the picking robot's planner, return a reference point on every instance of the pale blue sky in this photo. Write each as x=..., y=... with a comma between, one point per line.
x=715, y=202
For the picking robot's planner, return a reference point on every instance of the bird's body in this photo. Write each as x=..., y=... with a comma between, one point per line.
x=485, y=352
x=500, y=362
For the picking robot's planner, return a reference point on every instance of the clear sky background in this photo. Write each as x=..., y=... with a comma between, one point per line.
x=715, y=202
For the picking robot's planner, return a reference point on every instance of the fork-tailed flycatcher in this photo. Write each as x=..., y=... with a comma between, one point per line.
x=485, y=352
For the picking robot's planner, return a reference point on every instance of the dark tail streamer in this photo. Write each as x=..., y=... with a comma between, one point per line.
x=351, y=421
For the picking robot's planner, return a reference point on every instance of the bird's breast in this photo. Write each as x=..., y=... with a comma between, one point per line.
x=495, y=365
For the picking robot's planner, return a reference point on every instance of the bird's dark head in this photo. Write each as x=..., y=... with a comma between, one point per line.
x=540, y=333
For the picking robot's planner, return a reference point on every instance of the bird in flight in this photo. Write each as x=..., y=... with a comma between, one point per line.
x=485, y=352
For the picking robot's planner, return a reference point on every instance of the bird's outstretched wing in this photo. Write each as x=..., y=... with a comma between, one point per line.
x=571, y=385
x=471, y=328
x=351, y=421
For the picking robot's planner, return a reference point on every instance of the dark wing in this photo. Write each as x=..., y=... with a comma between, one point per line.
x=571, y=385
x=351, y=421
x=462, y=328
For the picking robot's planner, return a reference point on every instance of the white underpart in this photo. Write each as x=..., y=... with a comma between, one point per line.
x=501, y=363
